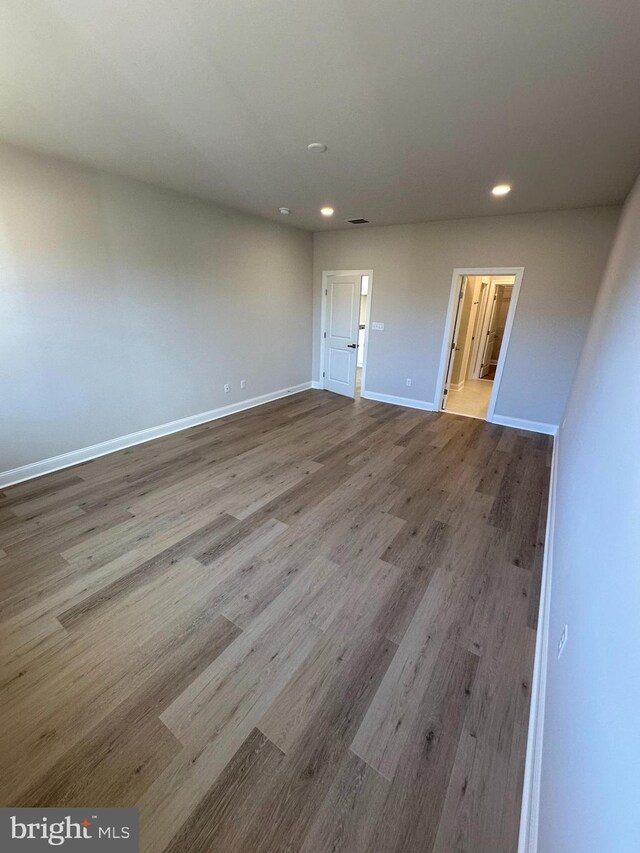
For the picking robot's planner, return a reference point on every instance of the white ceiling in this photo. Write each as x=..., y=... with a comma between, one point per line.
x=424, y=105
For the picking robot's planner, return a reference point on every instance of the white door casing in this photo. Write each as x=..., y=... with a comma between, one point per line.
x=516, y=274
x=454, y=341
x=342, y=318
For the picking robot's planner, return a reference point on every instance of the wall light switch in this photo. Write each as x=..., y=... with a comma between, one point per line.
x=243, y=383
x=408, y=382
x=227, y=388
x=379, y=327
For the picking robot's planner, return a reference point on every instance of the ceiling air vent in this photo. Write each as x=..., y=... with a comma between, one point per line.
x=358, y=221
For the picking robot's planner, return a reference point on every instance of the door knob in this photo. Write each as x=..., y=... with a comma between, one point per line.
x=352, y=346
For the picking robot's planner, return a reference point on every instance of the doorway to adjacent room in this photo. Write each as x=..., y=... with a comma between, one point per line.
x=346, y=307
x=481, y=312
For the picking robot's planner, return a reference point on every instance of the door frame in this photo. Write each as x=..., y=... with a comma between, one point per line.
x=323, y=321
x=461, y=290
x=518, y=273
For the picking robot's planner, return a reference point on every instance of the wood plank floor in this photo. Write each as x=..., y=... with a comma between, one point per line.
x=306, y=627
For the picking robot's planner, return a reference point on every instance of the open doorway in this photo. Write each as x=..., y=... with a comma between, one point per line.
x=346, y=307
x=478, y=329
x=362, y=326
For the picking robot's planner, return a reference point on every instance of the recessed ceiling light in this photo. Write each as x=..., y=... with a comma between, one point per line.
x=501, y=189
x=326, y=211
x=285, y=211
x=317, y=147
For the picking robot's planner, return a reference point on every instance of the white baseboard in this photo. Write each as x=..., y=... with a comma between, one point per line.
x=74, y=457
x=529, y=815
x=315, y=384
x=456, y=386
x=399, y=401
x=530, y=426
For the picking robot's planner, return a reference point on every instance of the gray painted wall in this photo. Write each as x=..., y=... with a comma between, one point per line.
x=124, y=306
x=564, y=255
x=591, y=746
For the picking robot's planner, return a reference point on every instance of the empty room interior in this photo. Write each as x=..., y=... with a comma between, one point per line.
x=320, y=426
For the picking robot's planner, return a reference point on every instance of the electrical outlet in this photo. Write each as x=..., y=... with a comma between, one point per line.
x=227, y=388
x=243, y=384
x=562, y=642
x=408, y=382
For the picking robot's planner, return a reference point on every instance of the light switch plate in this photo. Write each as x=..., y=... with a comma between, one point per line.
x=379, y=327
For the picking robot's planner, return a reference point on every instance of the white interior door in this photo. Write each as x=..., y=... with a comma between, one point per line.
x=477, y=347
x=341, y=329
x=454, y=341
x=491, y=336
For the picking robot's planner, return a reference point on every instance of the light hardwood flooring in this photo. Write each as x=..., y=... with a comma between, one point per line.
x=306, y=627
x=471, y=400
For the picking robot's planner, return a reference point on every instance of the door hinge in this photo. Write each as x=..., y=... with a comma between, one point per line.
x=445, y=392
x=325, y=334
x=323, y=374
x=326, y=293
